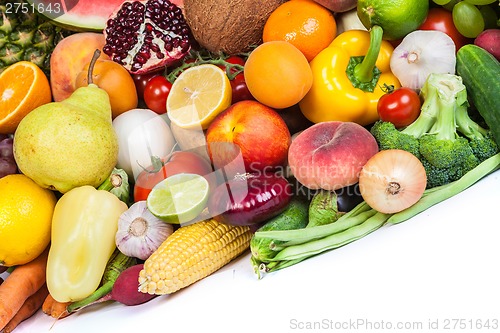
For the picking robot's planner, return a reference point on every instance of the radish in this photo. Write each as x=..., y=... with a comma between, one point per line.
x=126, y=287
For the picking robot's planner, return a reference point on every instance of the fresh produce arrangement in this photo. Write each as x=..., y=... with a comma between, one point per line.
x=142, y=148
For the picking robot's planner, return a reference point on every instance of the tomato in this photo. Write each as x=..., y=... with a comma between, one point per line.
x=156, y=93
x=239, y=87
x=141, y=80
x=442, y=20
x=179, y=162
x=400, y=107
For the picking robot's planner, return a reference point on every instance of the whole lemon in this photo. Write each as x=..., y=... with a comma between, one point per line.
x=25, y=219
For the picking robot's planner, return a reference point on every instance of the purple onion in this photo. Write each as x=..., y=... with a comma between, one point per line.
x=250, y=200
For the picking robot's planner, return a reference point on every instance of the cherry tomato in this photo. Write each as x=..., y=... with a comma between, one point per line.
x=141, y=80
x=442, y=20
x=179, y=162
x=239, y=87
x=401, y=106
x=156, y=93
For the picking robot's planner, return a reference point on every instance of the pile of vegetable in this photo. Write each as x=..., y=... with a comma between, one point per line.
x=382, y=131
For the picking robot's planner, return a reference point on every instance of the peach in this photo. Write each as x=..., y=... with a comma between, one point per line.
x=69, y=58
x=330, y=155
x=252, y=131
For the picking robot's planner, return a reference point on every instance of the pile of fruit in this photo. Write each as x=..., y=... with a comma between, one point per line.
x=142, y=149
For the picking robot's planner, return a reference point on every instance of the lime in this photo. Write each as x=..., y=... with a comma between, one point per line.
x=179, y=198
x=396, y=17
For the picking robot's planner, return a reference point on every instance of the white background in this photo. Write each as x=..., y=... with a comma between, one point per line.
x=437, y=267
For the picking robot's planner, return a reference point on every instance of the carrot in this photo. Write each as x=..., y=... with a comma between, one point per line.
x=23, y=282
x=29, y=308
x=54, y=308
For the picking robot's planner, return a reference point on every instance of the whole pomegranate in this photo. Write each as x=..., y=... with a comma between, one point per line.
x=145, y=35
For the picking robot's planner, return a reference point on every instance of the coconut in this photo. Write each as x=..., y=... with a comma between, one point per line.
x=228, y=26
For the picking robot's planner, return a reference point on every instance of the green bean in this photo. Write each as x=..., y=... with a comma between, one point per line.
x=334, y=240
x=298, y=236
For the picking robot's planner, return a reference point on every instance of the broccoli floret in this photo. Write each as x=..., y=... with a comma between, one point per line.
x=481, y=140
x=435, y=176
x=441, y=145
x=446, y=153
x=389, y=137
x=484, y=148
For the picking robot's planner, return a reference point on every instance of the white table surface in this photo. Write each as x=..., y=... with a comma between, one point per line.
x=437, y=272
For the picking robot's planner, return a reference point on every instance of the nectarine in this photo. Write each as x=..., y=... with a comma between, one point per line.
x=330, y=155
x=252, y=130
x=68, y=59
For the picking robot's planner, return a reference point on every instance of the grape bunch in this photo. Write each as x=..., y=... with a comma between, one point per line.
x=471, y=17
x=7, y=163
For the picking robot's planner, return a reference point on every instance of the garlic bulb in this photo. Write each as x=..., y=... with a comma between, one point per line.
x=140, y=233
x=420, y=53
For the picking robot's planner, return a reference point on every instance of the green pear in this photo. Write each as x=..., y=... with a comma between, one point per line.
x=63, y=145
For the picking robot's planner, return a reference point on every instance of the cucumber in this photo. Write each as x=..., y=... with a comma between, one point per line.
x=480, y=72
x=295, y=216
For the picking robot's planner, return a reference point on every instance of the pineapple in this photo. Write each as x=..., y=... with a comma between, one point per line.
x=27, y=36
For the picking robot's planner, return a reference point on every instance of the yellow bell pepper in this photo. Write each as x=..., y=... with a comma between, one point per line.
x=349, y=77
x=84, y=224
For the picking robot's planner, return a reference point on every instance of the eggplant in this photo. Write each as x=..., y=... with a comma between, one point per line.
x=250, y=199
x=348, y=197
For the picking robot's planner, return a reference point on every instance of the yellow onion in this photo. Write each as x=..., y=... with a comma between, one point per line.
x=392, y=180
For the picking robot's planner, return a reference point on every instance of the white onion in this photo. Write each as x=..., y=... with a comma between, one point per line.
x=142, y=133
x=421, y=53
x=392, y=180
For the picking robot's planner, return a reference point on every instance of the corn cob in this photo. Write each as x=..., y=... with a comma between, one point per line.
x=190, y=254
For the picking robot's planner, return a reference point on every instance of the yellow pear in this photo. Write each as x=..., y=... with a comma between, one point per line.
x=66, y=144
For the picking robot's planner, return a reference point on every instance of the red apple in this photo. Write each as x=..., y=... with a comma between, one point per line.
x=250, y=132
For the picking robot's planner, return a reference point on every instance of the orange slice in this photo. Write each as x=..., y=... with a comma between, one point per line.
x=23, y=87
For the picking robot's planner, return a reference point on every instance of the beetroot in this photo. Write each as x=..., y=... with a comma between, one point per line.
x=126, y=287
x=147, y=35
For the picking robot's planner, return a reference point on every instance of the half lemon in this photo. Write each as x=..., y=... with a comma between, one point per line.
x=198, y=95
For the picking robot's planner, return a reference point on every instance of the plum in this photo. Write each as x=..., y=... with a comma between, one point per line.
x=489, y=40
x=338, y=5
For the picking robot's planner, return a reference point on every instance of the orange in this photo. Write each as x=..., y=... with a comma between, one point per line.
x=23, y=87
x=277, y=74
x=306, y=24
